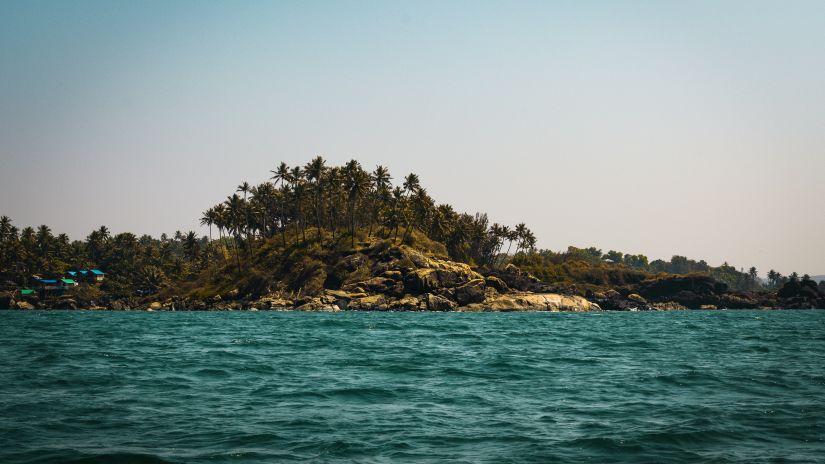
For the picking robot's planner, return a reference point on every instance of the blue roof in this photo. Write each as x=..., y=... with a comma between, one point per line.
x=84, y=272
x=97, y=272
x=49, y=281
x=72, y=273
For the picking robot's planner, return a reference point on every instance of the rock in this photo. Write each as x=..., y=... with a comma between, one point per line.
x=708, y=307
x=667, y=306
x=155, y=305
x=611, y=300
x=392, y=274
x=422, y=281
x=24, y=305
x=369, y=303
x=517, y=279
x=275, y=303
x=496, y=283
x=471, y=292
x=637, y=298
x=738, y=301
x=432, y=273
x=406, y=303
x=540, y=302
x=448, y=293
x=373, y=285
x=438, y=303
x=695, y=286
x=316, y=304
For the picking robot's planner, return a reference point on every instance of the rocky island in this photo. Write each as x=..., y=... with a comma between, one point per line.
x=338, y=238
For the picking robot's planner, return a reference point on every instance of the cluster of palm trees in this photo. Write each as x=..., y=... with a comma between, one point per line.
x=130, y=262
x=304, y=203
x=297, y=205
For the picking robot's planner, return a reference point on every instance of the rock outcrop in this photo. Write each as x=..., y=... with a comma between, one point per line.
x=535, y=302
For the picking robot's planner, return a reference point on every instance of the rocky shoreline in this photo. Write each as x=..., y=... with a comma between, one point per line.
x=401, y=278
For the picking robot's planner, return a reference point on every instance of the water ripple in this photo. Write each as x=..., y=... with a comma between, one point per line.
x=94, y=387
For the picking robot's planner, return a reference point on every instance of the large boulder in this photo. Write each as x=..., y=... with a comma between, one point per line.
x=438, y=303
x=406, y=303
x=369, y=303
x=540, y=302
x=318, y=304
x=422, y=281
x=471, y=292
x=24, y=305
x=496, y=283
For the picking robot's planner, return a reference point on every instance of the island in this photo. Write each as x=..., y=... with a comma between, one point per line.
x=339, y=238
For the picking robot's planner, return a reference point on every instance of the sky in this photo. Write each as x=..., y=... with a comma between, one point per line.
x=693, y=128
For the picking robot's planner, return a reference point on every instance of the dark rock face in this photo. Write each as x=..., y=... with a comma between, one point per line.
x=496, y=283
x=421, y=281
x=738, y=301
x=373, y=285
x=471, y=292
x=692, y=291
x=517, y=279
x=439, y=303
x=801, y=294
x=612, y=300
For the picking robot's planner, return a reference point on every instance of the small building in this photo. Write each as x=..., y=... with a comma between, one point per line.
x=96, y=275
x=72, y=274
x=47, y=284
x=26, y=292
x=66, y=283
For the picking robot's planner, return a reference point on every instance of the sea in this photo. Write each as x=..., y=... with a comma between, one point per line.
x=238, y=387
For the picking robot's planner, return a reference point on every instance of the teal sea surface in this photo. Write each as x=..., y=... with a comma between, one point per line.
x=686, y=386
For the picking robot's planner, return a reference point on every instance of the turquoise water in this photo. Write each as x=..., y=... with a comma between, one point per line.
x=726, y=386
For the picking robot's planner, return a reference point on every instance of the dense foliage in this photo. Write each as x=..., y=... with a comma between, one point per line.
x=592, y=266
x=131, y=262
x=311, y=206
x=300, y=205
x=317, y=198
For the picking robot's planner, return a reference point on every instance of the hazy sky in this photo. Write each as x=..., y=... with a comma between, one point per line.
x=693, y=128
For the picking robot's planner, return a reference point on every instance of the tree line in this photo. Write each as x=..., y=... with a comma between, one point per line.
x=299, y=204
x=303, y=203
x=738, y=279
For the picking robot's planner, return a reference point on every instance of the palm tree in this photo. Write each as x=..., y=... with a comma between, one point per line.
x=396, y=214
x=381, y=184
x=334, y=195
x=246, y=188
x=520, y=233
x=208, y=219
x=235, y=209
x=281, y=174
x=356, y=183
x=191, y=246
x=5, y=227
x=314, y=172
